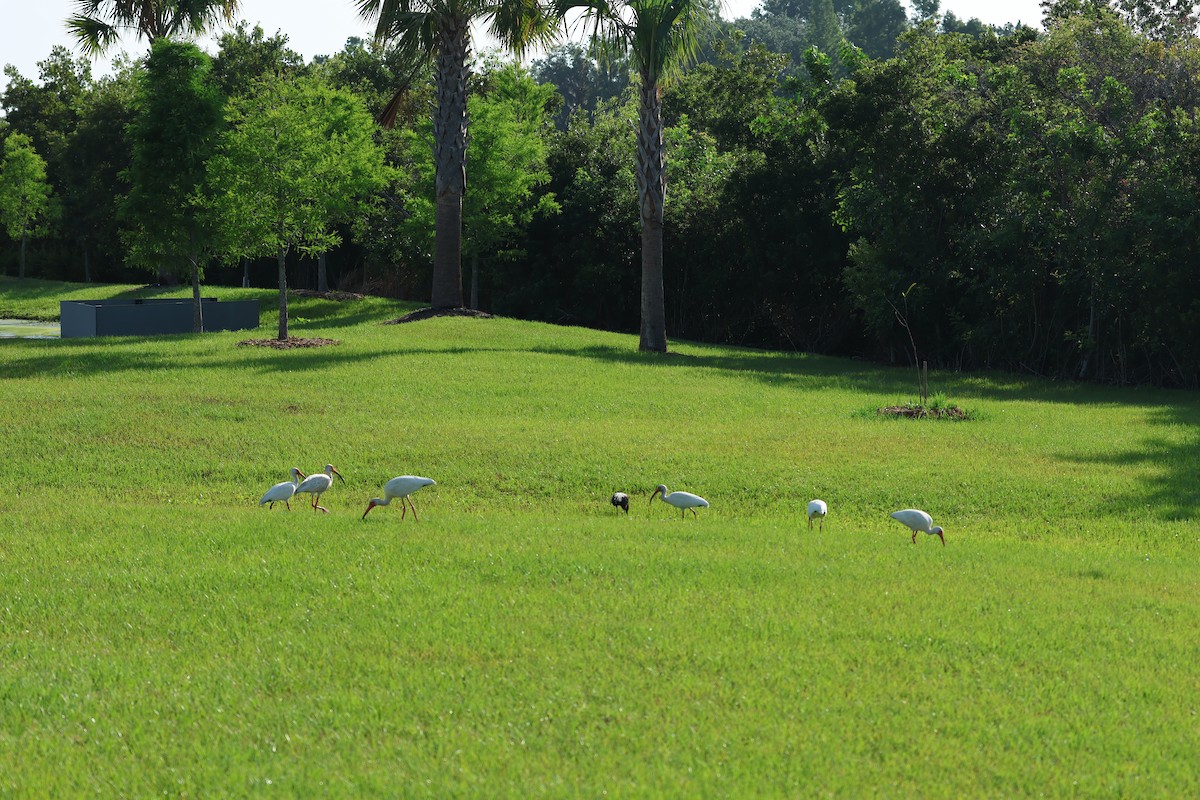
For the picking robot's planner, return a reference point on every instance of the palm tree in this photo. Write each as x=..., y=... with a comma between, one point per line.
x=660, y=36
x=440, y=31
x=99, y=24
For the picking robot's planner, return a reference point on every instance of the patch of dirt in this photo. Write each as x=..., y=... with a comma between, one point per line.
x=289, y=343
x=920, y=412
x=430, y=313
x=339, y=296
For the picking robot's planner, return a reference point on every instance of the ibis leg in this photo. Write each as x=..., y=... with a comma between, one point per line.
x=414, y=508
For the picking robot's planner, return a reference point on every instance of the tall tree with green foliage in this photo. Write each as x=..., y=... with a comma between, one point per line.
x=508, y=156
x=25, y=195
x=96, y=155
x=581, y=80
x=50, y=112
x=99, y=24
x=660, y=36
x=298, y=157
x=180, y=114
x=440, y=31
x=246, y=54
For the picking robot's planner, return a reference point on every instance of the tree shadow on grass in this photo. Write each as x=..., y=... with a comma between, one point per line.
x=1170, y=492
x=780, y=368
x=80, y=358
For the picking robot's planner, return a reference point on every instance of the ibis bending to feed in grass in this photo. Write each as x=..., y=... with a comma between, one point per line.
x=282, y=492
x=319, y=483
x=817, y=508
x=681, y=500
x=400, y=487
x=919, y=521
x=621, y=500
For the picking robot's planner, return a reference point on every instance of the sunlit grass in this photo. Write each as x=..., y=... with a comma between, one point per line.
x=160, y=633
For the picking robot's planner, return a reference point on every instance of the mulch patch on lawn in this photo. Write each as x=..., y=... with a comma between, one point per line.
x=289, y=343
x=329, y=295
x=430, y=313
x=919, y=412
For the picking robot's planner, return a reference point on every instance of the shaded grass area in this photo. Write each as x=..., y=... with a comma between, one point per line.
x=161, y=633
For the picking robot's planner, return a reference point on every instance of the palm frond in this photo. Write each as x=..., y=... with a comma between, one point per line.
x=99, y=24
x=410, y=26
x=93, y=36
x=521, y=24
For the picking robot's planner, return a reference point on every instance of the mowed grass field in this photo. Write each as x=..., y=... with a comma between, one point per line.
x=162, y=634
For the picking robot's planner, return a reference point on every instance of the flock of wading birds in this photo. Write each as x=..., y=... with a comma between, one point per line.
x=402, y=486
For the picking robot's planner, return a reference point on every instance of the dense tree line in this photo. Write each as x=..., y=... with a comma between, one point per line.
x=1028, y=198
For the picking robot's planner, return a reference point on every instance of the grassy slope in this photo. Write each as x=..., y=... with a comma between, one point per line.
x=160, y=632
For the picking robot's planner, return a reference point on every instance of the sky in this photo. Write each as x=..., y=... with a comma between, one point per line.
x=35, y=26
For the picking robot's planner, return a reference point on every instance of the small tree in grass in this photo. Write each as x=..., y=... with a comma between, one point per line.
x=26, y=202
x=298, y=156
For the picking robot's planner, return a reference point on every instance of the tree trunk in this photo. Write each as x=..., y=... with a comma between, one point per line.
x=475, y=281
x=245, y=273
x=1093, y=331
x=21, y=271
x=651, y=183
x=450, y=157
x=197, y=307
x=283, y=313
x=87, y=264
x=322, y=279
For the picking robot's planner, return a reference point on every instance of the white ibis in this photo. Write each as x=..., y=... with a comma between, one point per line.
x=817, y=508
x=317, y=484
x=400, y=487
x=621, y=500
x=919, y=522
x=681, y=500
x=282, y=492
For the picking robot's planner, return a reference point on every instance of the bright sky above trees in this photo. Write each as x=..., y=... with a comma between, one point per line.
x=314, y=29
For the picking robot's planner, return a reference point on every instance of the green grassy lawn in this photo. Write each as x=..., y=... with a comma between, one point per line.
x=162, y=634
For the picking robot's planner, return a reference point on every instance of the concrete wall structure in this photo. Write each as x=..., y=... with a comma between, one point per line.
x=151, y=317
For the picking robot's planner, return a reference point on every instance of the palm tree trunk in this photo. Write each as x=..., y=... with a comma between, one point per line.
x=450, y=156
x=651, y=182
x=283, y=313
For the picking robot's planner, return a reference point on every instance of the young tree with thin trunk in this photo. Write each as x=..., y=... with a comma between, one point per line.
x=26, y=198
x=660, y=36
x=298, y=157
